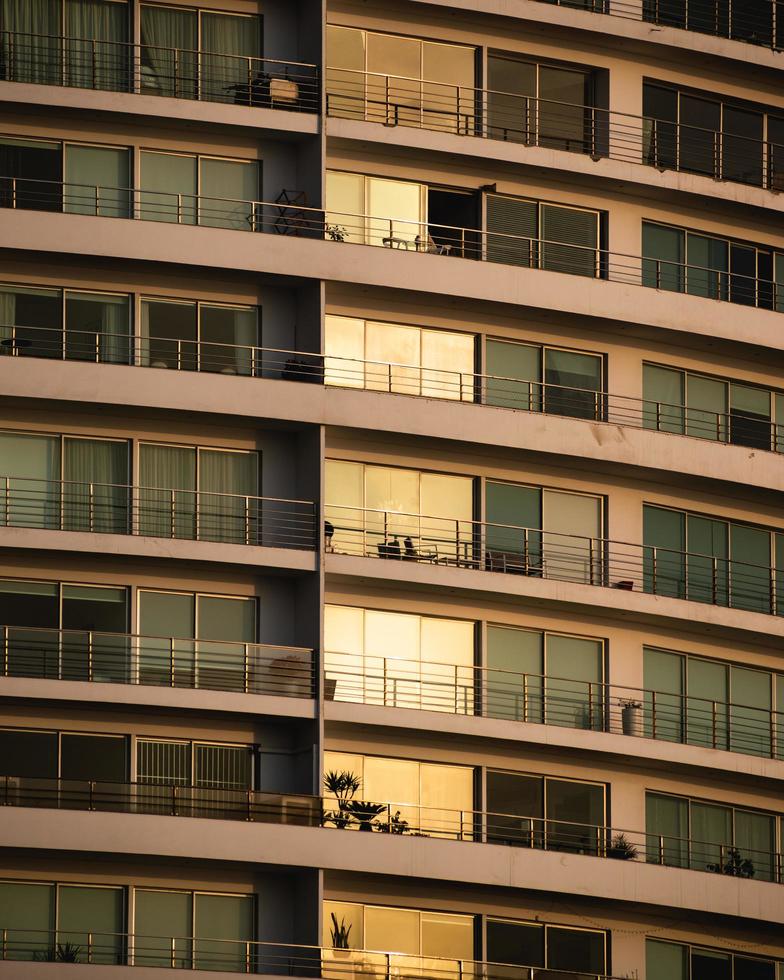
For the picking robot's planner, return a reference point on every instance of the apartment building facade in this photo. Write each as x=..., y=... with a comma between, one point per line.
x=470, y=314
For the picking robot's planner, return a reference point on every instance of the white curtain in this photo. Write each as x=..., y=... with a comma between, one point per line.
x=96, y=40
x=33, y=53
x=169, y=42
x=167, y=500
x=95, y=493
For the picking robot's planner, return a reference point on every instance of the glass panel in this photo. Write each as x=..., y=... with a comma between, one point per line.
x=563, y=121
x=750, y=418
x=755, y=843
x=663, y=681
x=228, y=191
x=27, y=913
x=660, y=132
x=97, y=328
x=99, y=911
x=165, y=920
x=167, y=498
x=698, y=142
x=398, y=212
x=706, y=705
x=228, y=339
x=666, y=961
x=575, y=379
x=396, y=353
x=89, y=610
x=706, y=562
x=344, y=348
x=447, y=93
x=223, y=932
x=35, y=57
x=515, y=663
x=448, y=365
x=345, y=220
x=750, y=576
x=169, y=186
x=510, y=510
x=753, y=969
x=169, y=333
x=706, y=417
x=574, y=669
x=31, y=173
x=228, y=507
x=31, y=652
x=750, y=720
x=448, y=509
x=168, y=54
x=667, y=826
x=96, y=38
x=396, y=782
x=744, y=274
x=97, y=181
x=515, y=943
x=346, y=915
x=230, y=47
x=664, y=537
x=344, y=489
x=447, y=654
x=96, y=495
x=575, y=949
x=662, y=265
x=222, y=665
x=28, y=754
x=392, y=929
x=575, y=816
x=513, y=370
x=392, y=660
x=100, y=757
x=515, y=807
x=511, y=109
x=393, y=497
x=345, y=65
x=30, y=322
x=449, y=937
x=400, y=58
x=711, y=836
x=707, y=965
x=166, y=620
x=447, y=796
x=344, y=647
x=29, y=485
x=572, y=547
x=663, y=391
x=742, y=146
x=707, y=264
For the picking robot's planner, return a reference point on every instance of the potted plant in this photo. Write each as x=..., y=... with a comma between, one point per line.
x=340, y=952
x=337, y=233
x=631, y=718
x=343, y=785
x=61, y=953
x=365, y=813
x=736, y=865
x=622, y=849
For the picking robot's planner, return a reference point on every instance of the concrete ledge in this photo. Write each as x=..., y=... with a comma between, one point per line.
x=184, y=110
x=40, y=539
x=416, y=858
x=175, y=698
x=633, y=606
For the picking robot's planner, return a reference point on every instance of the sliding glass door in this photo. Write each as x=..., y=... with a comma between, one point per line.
x=97, y=54
x=30, y=483
x=198, y=337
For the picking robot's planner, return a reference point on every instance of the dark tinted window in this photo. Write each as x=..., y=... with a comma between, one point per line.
x=28, y=754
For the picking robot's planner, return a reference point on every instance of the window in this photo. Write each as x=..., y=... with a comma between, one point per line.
x=436, y=799
x=200, y=54
x=710, y=702
x=711, y=408
x=399, y=659
x=206, y=765
x=373, y=507
x=548, y=533
x=680, y=260
x=187, y=189
x=375, y=210
x=548, y=946
x=203, y=494
x=196, y=640
x=547, y=105
x=400, y=80
x=678, y=961
x=221, y=927
x=199, y=336
x=404, y=932
x=63, y=755
x=711, y=837
x=543, y=379
x=709, y=560
x=546, y=812
x=399, y=358
x=539, y=235
x=542, y=677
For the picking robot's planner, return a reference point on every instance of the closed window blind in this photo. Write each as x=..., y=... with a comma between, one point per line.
x=578, y=231
x=512, y=229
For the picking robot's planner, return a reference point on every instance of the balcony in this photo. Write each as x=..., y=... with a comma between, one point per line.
x=159, y=661
x=394, y=235
x=286, y=959
x=542, y=554
x=396, y=100
x=758, y=23
x=178, y=73
x=191, y=515
x=485, y=692
x=396, y=819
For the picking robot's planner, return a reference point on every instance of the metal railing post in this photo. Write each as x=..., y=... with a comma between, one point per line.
x=172, y=513
x=89, y=947
x=90, y=655
x=91, y=505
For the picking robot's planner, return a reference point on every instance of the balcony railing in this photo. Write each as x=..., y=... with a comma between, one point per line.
x=398, y=100
x=400, y=819
x=237, y=956
x=17, y=340
x=397, y=234
x=159, y=661
x=760, y=24
x=68, y=505
x=542, y=554
x=547, y=700
x=148, y=69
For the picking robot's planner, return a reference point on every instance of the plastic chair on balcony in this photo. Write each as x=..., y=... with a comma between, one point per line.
x=427, y=244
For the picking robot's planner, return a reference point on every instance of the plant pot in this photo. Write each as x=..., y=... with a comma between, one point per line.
x=330, y=686
x=631, y=720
